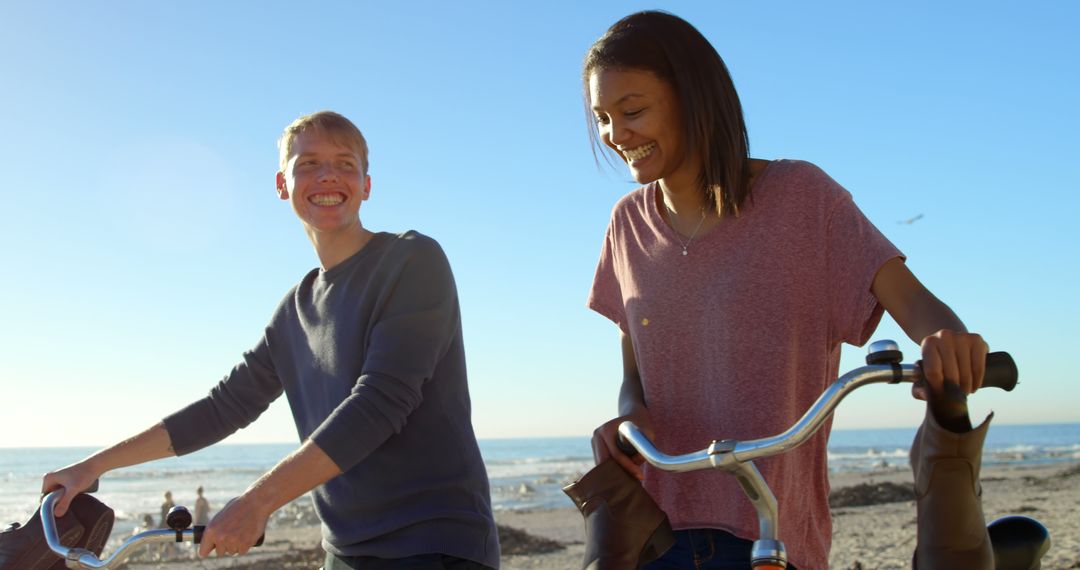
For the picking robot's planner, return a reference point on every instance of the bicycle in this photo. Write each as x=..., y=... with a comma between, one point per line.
x=178, y=520
x=1018, y=542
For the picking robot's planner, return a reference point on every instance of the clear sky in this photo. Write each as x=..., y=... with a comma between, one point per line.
x=143, y=247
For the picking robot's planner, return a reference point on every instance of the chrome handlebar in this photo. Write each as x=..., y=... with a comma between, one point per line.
x=723, y=453
x=85, y=559
x=737, y=457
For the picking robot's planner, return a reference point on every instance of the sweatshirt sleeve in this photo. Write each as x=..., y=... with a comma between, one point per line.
x=412, y=330
x=235, y=402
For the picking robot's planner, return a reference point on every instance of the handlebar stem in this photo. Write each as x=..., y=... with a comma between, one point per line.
x=761, y=496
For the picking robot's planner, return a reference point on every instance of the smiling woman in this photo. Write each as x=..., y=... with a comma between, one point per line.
x=637, y=116
x=632, y=72
x=735, y=281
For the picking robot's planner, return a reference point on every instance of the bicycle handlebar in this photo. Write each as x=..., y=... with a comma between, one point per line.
x=1000, y=373
x=85, y=559
x=737, y=457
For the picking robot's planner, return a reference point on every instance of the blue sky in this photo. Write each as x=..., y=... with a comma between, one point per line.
x=144, y=248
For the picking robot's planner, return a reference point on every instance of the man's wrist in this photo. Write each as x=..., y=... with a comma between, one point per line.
x=262, y=499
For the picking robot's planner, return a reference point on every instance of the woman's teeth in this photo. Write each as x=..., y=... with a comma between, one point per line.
x=635, y=154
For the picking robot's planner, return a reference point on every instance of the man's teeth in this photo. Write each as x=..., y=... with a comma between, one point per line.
x=640, y=152
x=326, y=200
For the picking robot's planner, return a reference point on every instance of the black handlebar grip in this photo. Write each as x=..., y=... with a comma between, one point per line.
x=1000, y=371
x=93, y=486
x=197, y=532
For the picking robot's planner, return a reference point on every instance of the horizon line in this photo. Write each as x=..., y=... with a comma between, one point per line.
x=584, y=436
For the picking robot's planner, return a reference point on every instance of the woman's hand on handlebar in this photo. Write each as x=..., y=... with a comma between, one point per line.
x=73, y=479
x=234, y=529
x=951, y=356
x=605, y=442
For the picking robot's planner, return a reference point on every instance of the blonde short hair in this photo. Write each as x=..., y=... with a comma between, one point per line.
x=340, y=130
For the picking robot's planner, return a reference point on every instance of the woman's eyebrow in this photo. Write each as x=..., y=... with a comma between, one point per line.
x=621, y=100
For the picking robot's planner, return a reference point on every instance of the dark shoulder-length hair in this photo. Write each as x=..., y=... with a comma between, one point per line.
x=709, y=107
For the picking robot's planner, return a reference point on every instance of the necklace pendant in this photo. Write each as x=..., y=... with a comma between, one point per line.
x=684, y=251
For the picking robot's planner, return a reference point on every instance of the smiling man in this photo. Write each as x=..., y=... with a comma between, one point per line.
x=368, y=350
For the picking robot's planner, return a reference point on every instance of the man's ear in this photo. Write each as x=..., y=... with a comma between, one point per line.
x=367, y=187
x=282, y=191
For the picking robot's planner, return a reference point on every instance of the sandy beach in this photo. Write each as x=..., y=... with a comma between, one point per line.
x=877, y=536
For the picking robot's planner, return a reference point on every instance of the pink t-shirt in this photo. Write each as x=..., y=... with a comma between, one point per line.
x=738, y=338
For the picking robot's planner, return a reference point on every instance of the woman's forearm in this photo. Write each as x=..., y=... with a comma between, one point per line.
x=918, y=312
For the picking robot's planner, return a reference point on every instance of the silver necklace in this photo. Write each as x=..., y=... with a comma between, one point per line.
x=685, y=244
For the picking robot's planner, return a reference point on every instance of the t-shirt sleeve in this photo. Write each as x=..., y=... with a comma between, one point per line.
x=856, y=250
x=413, y=329
x=606, y=294
x=236, y=401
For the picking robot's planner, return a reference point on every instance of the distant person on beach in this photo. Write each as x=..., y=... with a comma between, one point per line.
x=147, y=524
x=161, y=551
x=166, y=506
x=202, y=508
x=368, y=349
x=166, y=550
x=734, y=281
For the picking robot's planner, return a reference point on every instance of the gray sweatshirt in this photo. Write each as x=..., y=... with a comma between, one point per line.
x=370, y=356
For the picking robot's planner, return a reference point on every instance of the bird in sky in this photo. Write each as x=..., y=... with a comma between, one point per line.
x=910, y=221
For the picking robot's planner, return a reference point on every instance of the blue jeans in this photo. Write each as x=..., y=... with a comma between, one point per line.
x=419, y=562
x=705, y=549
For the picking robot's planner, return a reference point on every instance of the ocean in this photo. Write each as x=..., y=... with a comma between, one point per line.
x=524, y=473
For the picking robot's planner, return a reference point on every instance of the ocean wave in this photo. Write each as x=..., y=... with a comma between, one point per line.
x=1015, y=448
x=535, y=460
x=129, y=473
x=866, y=454
x=539, y=469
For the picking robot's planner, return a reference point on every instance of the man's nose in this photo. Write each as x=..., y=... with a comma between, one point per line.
x=327, y=171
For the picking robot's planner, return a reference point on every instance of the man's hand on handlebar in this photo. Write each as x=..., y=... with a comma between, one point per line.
x=951, y=356
x=605, y=442
x=73, y=479
x=234, y=529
